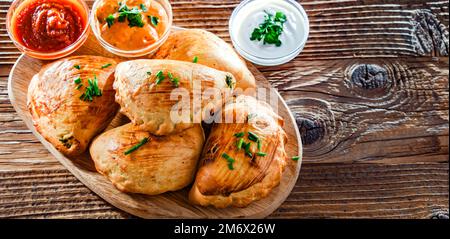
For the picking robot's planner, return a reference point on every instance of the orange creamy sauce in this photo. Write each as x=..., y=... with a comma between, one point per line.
x=126, y=37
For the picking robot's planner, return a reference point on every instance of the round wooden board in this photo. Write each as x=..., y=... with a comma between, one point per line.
x=167, y=205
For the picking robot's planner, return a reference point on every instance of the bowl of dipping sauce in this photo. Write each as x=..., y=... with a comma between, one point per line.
x=48, y=29
x=269, y=32
x=131, y=28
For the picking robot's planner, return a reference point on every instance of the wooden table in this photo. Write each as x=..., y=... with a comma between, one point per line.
x=370, y=94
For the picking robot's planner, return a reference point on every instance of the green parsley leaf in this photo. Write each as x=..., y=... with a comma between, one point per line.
x=249, y=154
x=122, y=17
x=159, y=77
x=230, y=160
x=106, y=65
x=253, y=137
x=143, y=7
x=296, y=158
x=195, y=59
x=239, y=135
x=261, y=154
x=77, y=67
x=65, y=141
x=92, y=90
x=77, y=80
x=246, y=147
x=240, y=143
x=110, y=20
x=175, y=81
x=271, y=29
x=280, y=17
x=133, y=16
x=154, y=20
x=229, y=81
x=123, y=7
x=136, y=147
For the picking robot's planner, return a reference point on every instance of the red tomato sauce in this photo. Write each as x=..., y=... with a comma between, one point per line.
x=49, y=25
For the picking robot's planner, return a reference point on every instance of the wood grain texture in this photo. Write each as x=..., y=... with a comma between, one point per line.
x=397, y=50
x=322, y=191
x=376, y=110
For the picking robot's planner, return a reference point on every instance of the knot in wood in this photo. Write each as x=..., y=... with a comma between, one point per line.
x=310, y=130
x=429, y=36
x=369, y=76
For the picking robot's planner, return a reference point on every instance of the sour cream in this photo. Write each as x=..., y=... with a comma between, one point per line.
x=251, y=13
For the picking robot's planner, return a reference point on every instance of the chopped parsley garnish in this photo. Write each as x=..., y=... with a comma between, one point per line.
x=65, y=142
x=77, y=80
x=79, y=86
x=159, y=77
x=246, y=147
x=110, y=20
x=195, y=59
x=239, y=143
x=136, y=147
x=249, y=154
x=229, y=159
x=123, y=7
x=149, y=73
x=253, y=137
x=143, y=7
x=175, y=81
x=106, y=65
x=296, y=158
x=77, y=67
x=271, y=29
x=133, y=16
x=229, y=81
x=92, y=90
x=154, y=20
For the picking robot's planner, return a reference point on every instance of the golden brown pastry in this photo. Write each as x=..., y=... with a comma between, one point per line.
x=160, y=165
x=243, y=161
x=209, y=50
x=72, y=100
x=147, y=91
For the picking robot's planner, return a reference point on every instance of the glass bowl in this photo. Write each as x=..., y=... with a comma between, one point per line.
x=268, y=61
x=18, y=5
x=131, y=53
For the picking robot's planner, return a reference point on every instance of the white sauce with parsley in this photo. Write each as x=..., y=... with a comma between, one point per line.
x=252, y=14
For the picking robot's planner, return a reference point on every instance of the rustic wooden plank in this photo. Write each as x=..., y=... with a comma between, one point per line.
x=368, y=110
x=323, y=191
x=19, y=149
x=50, y=194
x=339, y=29
x=368, y=191
x=410, y=101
